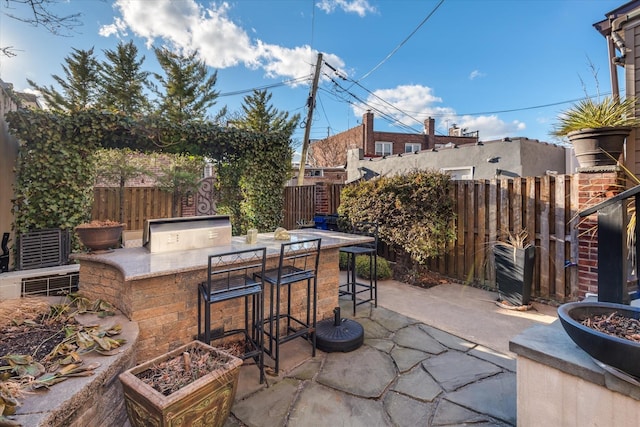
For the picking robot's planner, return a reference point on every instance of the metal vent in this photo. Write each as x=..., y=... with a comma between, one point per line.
x=50, y=285
x=43, y=248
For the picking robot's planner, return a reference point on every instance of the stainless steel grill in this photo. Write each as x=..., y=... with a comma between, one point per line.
x=174, y=234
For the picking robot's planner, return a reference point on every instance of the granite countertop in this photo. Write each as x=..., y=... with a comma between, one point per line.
x=138, y=263
x=550, y=345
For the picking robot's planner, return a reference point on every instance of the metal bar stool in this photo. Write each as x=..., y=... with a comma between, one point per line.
x=298, y=263
x=233, y=275
x=353, y=288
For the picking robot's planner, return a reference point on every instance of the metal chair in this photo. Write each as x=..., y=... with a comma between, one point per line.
x=353, y=288
x=233, y=275
x=298, y=263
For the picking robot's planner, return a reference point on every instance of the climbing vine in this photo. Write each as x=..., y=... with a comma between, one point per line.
x=55, y=168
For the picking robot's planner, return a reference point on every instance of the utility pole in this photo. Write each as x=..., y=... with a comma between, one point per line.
x=311, y=102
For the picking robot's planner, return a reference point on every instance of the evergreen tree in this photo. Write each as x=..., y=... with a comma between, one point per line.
x=188, y=87
x=260, y=116
x=79, y=84
x=123, y=83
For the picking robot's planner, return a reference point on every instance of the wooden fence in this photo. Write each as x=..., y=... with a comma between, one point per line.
x=299, y=205
x=486, y=210
x=546, y=207
x=140, y=203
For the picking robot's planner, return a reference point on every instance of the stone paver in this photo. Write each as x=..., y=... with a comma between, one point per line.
x=448, y=340
x=406, y=411
x=449, y=413
x=418, y=384
x=365, y=372
x=407, y=358
x=269, y=406
x=495, y=396
x=415, y=337
x=407, y=373
x=320, y=406
x=454, y=369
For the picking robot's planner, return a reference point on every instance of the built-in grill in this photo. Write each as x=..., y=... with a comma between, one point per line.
x=174, y=234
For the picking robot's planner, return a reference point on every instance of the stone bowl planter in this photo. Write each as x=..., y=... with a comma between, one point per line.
x=100, y=235
x=619, y=353
x=205, y=401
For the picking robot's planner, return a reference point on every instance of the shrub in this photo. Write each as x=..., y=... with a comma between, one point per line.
x=414, y=212
x=343, y=261
x=362, y=267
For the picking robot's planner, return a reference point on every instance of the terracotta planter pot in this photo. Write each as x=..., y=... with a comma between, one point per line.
x=205, y=402
x=590, y=145
x=100, y=237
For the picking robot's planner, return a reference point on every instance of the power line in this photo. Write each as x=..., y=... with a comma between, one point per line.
x=402, y=43
x=271, y=86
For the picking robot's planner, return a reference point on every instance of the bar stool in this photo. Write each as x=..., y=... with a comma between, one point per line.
x=298, y=263
x=233, y=275
x=353, y=288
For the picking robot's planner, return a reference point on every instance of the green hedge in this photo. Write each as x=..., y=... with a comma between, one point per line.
x=362, y=266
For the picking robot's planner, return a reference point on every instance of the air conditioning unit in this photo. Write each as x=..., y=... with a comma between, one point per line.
x=43, y=248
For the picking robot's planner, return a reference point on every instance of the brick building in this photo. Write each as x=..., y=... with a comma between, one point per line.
x=332, y=151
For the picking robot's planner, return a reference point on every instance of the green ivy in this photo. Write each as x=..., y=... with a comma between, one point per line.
x=55, y=168
x=414, y=211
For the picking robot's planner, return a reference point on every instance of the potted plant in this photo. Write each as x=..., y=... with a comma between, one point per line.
x=608, y=332
x=100, y=235
x=598, y=128
x=193, y=385
x=514, y=261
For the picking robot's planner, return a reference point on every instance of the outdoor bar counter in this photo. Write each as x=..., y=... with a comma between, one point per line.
x=160, y=290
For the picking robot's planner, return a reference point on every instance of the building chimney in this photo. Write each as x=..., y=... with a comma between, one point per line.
x=368, y=142
x=430, y=131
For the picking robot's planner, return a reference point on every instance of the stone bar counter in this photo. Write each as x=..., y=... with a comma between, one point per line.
x=558, y=384
x=160, y=290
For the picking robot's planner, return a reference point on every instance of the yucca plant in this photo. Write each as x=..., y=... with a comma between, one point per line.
x=597, y=113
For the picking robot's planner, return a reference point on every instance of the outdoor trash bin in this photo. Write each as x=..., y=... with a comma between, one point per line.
x=320, y=221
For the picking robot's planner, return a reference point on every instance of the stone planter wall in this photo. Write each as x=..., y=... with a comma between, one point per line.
x=95, y=400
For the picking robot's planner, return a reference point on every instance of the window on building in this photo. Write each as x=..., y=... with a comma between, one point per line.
x=383, y=148
x=465, y=172
x=412, y=147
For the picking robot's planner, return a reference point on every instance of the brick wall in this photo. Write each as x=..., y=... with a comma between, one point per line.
x=594, y=187
x=166, y=309
x=332, y=151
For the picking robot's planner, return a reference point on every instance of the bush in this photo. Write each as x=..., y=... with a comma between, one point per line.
x=362, y=266
x=414, y=212
x=343, y=261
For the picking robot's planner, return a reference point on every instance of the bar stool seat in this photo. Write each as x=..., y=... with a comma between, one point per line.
x=361, y=292
x=232, y=275
x=298, y=263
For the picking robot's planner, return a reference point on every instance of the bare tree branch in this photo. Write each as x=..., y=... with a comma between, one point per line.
x=38, y=14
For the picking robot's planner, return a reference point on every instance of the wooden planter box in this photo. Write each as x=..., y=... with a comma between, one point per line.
x=206, y=401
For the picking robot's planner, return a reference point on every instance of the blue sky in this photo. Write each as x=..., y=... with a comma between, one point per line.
x=502, y=67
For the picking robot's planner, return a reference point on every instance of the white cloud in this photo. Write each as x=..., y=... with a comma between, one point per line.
x=408, y=104
x=359, y=7
x=412, y=104
x=491, y=127
x=476, y=74
x=187, y=26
